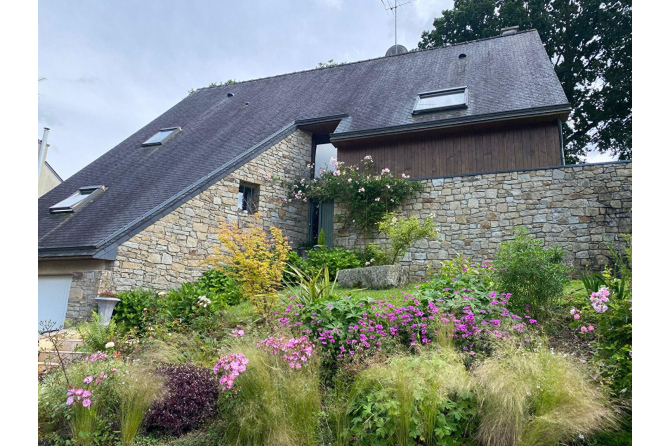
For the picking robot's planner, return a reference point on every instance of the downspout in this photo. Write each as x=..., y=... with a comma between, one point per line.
x=560, y=134
x=42, y=155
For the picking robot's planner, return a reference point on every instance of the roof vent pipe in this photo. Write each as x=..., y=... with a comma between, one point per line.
x=509, y=30
x=42, y=155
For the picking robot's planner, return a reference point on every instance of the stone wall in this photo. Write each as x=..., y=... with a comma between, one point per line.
x=171, y=250
x=86, y=285
x=581, y=208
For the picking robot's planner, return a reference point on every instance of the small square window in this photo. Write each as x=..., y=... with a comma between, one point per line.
x=247, y=198
x=441, y=100
x=76, y=200
x=161, y=137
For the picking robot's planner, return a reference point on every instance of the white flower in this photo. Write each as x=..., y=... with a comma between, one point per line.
x=109, y=345
x=362, y=189
x=386, y=170
x=581, y=437
x=368, y=158
x=377, y=199
x=349, y=180
x=162, y=293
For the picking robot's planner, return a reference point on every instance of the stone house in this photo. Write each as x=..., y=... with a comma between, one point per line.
x=479, y=123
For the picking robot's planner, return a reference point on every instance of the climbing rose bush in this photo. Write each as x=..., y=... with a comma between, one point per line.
x=370, y=193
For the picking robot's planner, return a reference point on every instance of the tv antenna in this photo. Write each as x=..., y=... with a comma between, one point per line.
x=392, y=5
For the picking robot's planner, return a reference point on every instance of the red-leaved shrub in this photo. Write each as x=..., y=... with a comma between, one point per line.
x=191, y=397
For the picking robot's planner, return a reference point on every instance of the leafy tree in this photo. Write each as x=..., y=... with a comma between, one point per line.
x=590, y=44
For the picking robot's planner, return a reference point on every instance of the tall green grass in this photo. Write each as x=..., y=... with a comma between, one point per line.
x=406, y=394
x=537, y=399
x=274, y=405
x=137, y=395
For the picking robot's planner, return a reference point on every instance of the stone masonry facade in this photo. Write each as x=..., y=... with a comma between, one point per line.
x=171, y=250
x=85, y=287
x=582, y=208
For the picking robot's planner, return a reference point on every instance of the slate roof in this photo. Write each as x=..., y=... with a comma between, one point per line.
x=506, y=75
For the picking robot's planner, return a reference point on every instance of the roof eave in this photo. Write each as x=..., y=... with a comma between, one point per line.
x=561, y=110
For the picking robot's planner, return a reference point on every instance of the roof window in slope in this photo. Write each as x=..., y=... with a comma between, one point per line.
x=161, y=137
x=77, y=200
x=441, y=100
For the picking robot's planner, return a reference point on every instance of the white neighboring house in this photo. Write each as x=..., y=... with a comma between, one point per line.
x=48, y=177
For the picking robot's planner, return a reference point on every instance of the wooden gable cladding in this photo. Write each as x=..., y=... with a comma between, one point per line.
x=460, y=151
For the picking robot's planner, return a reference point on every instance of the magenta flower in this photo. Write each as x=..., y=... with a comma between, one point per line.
x=86, y=402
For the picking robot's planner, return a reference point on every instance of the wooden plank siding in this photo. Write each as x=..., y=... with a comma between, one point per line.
x=455, y=153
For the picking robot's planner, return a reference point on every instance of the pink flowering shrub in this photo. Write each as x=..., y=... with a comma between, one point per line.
x=607, y=319
x=295, y=351
x=233, y=364
x=345, y=328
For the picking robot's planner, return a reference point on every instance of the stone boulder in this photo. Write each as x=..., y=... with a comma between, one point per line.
x=374, y=277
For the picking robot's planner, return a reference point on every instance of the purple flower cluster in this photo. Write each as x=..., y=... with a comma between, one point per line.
x=599, y=299
x=237, y=332
x=234, y=364
x=412, y=322
x=295, y=351
x=75, y=396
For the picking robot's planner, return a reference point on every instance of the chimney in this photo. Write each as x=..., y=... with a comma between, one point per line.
x=509, y=30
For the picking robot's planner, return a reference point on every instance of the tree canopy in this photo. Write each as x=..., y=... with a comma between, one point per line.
x=590, y=44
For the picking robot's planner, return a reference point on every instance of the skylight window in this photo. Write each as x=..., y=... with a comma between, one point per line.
x=77, y=200
x=161, y=137
x=441, y=100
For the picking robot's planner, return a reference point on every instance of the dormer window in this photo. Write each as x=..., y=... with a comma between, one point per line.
x=441, y=100
x=161, y=137
x=77, y=200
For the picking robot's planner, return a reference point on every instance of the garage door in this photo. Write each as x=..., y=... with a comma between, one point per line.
x=52, y=294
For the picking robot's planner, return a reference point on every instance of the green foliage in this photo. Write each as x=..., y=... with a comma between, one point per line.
x=322, y=238
x=413, y=399
x=403, y=232
x=334, y=259
x=310, y=287
x=58, y=420
x=275, y=405
x=536, y=399
x=95, y=335
x=140, y=390
x=369, y=194
x=373, y=255
x=534, y=275
x=455, y=276
x=613, y=327
x=220, y=287
x=590, y=43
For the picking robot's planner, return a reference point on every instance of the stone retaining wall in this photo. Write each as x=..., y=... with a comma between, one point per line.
x=581, y=208
x=171, y=250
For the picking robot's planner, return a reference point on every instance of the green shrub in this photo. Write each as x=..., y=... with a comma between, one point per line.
x=333, y=258
x=537, y=399
x=138, y=309
x=403, y=232
x=534, y=275
x=95, y=335
x=58, y=419
x=219, y=286
x=459, y=278
x=422, y=399
x=274, y=404
x=373, y=255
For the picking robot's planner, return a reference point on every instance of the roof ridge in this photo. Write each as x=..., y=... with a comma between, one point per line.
x=414, y=51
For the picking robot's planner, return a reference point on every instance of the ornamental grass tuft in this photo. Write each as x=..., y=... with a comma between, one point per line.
x=537, y=398
x=272, y=403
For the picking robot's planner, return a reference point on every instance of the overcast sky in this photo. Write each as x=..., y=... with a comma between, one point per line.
x=113, y=66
